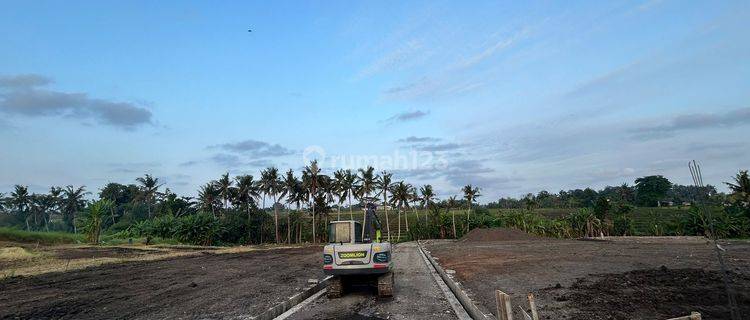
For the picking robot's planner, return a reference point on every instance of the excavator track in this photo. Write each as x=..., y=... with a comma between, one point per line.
x=335, y=287
x=385, y=285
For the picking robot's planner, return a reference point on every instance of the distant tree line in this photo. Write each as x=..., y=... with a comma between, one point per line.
x=241, y=209
x=648, y=191
x=289, y=208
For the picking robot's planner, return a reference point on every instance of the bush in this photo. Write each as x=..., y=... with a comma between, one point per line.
x=201, y=229
x=15, y=235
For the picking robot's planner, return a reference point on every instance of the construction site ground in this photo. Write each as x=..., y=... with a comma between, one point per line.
x=185, y=284
x=619, y=278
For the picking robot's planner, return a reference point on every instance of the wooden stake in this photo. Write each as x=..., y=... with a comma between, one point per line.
x=532, y=305
x=504, y=309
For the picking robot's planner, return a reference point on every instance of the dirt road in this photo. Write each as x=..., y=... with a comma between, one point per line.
x=416, y=296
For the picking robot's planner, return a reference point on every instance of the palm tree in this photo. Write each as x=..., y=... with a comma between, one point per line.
x=415, y=200
x=427, y=197
x=401, y=195
x=328, y=187
x=384, y=183
x=741, y=186
x=148, y=190
x=452, y=204
x=56, y=199
x=246, y=192
x=290, y=190
x=470, y=194
x=20, y=200
x=312, y=172
x=366, y=181
x=73, y=203
x=298, y=195
x=338, y=181
x=224, y=186
x=208, y=196
x=348, y=187
x=271, y=185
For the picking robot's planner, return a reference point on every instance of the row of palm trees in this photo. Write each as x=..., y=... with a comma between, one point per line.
x=317, y=191
x=37, y=210
x=312, y=190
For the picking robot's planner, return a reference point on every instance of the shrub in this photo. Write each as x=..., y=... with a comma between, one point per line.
x=201, y=228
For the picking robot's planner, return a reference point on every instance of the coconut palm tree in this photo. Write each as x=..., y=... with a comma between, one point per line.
x=224, y=186
x=312, y=172
x=384, y=184
x=348, y=187
x=741, y=187
x=245, y=194
x=427, y=196
x=366, y=181
x=148, y=190
x=327, y=186
x=470, y=195
x=208, y=196
x=55, y=194
x=73, y=203
x=452, y=204
x=20, y=201
x=271, y=185
x=289, y=191
x=401, y=195
x=415, y=203
x=298, y=195
x=338, y=182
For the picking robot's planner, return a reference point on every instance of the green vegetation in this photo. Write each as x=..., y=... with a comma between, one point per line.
x=236, y=211
x=15, y=235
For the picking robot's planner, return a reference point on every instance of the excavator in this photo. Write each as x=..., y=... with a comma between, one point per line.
x=355, y=253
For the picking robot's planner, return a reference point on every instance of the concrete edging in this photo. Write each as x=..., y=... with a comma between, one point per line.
x=464, y=299
x=280, y=308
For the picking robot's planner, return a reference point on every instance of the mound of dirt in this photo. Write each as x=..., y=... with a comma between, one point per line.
x=496, y=234
x=656, y=294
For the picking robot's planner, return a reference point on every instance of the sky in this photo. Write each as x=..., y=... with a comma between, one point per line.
x=510, y=96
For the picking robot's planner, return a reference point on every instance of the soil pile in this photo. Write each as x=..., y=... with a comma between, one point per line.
x=660, y=293
x=496, y=234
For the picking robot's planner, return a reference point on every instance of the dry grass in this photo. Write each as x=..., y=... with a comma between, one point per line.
x=15, y=253
x=39, y=262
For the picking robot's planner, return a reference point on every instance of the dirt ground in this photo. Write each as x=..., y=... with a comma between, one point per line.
x=662, y=277
x=200, y=286
x=416, y=295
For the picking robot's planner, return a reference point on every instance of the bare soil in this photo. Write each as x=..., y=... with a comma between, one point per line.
x=658, y=293
x=99, y=252
x=206, y=285
x=496, y=234
x=574, y=279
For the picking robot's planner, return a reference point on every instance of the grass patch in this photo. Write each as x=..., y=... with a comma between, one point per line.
x=15, y=253
x=15, y=235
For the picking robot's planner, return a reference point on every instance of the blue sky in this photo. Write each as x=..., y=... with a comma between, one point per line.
x=514, y=97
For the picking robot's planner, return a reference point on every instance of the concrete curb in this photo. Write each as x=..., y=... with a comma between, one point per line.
x=280, y=308
x=464, y=299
